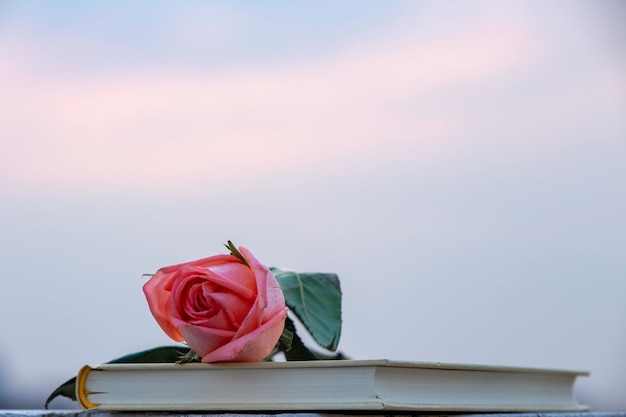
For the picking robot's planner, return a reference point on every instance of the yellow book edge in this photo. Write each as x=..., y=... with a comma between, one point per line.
x=81, y=393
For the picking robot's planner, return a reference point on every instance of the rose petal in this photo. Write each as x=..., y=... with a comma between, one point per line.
x=236, y=272
x=203, y=340
x=230, y=283
x=157, y=299
x=260, y=273
x=183, y=297
x=270, y=300
x=220, y=320
x=252, y=347
x=236, y=308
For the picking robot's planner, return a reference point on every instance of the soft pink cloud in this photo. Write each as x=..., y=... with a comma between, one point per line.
x=172, y=128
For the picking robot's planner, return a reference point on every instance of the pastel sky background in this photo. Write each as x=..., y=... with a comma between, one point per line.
x=460, y=165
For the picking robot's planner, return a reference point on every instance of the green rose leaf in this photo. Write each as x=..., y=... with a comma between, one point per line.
x=162, y=354
x=315, y=298
x=299, y=352
x=67, y=389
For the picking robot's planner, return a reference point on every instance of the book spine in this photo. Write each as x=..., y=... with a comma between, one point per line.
x=81, y=388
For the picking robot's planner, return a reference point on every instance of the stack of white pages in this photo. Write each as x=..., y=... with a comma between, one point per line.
x=326, y=386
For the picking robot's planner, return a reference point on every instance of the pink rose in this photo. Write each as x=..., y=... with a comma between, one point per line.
x=225, y=310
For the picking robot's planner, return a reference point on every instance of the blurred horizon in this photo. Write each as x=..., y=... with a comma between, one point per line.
x=459, y=165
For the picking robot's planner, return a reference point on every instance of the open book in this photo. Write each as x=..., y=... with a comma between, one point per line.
x=342, y=385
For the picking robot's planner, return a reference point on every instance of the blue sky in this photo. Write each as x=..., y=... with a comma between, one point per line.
x=460, y=165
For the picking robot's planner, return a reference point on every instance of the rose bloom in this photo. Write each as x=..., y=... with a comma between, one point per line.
x=223, y=309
